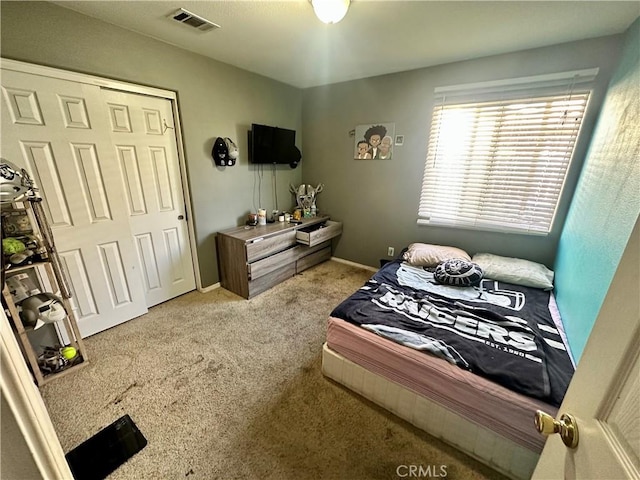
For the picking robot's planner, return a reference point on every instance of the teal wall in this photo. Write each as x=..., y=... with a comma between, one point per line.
x=606, y=203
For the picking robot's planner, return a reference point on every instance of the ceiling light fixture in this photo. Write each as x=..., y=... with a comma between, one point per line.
x=330, y=11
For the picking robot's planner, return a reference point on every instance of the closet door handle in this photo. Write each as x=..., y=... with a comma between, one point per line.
x=180, y=217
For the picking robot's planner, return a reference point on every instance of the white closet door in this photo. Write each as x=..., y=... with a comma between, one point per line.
x=58, y=130
x=143, y=137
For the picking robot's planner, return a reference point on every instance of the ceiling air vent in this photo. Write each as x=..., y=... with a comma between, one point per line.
x=193, y=20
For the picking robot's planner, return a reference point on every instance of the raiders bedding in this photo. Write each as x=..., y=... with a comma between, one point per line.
x=501, y=331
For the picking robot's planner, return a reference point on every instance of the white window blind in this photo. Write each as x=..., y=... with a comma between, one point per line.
x=499, y=163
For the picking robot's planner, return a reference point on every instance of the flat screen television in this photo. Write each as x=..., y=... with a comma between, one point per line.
x=272, y=145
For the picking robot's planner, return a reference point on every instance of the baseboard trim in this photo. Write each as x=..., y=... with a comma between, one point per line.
x=336, y=259
x=209, y=288
x=354, y=264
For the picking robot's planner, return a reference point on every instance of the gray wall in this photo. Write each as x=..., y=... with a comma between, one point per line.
x=378, y=199
x=215, y=99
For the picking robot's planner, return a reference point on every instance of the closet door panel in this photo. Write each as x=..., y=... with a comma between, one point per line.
x=142, y=132
x=59, y=131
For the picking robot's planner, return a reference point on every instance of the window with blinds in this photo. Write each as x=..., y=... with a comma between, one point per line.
x=501, y=164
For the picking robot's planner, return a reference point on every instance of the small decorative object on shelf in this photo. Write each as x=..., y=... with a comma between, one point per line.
x=306, y=198
x=42, y=308
x=29, y=264
x=56, y=359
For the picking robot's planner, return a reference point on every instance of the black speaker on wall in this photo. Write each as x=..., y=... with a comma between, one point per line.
x=296, y=157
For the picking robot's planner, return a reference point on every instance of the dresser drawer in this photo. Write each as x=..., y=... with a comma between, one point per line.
x=262, y=247
x=269, y=264
x=319, y=233
x=269, y=280
x=313, y=259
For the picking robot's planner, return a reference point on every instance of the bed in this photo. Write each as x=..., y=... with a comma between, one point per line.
x=467, y=357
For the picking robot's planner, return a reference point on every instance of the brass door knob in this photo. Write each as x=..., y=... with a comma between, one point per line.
x=566, y=427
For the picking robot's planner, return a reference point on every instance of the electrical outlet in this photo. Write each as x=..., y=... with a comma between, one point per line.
x=390, y=251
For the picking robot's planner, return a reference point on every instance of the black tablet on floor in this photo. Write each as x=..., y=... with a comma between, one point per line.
x=97, y=457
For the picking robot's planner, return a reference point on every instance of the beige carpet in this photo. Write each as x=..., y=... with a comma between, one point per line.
x=225, y=388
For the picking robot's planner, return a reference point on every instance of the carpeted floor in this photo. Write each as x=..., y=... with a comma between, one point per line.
x=225, y=388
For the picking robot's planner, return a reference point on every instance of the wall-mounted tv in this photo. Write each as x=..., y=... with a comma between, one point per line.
x=273, y=145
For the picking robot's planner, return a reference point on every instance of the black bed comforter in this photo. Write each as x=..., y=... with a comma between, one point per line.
x=501, y=331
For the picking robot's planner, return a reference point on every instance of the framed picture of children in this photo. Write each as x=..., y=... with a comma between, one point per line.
x=374, y=141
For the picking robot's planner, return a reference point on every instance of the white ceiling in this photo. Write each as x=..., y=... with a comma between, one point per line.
x=284, y=40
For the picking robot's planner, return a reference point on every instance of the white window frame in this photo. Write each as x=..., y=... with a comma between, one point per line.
x=484, y=171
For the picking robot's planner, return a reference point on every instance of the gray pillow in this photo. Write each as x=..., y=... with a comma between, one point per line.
x=430, y=255
x=458, y=272
x=515, y=270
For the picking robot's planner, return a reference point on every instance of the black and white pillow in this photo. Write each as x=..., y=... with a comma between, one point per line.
x=458, y=272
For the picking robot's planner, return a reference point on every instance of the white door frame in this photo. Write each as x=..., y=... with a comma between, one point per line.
x=24, y=400
x=170, y=95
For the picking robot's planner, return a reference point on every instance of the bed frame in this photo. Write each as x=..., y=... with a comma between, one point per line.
x=496, y=451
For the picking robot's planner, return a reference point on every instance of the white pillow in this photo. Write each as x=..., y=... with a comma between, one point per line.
x=428, y=255
x=514, y=270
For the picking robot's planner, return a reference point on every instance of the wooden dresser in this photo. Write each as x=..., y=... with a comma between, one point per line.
x=254, y=259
